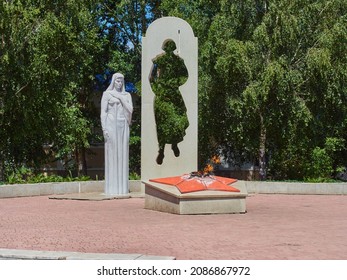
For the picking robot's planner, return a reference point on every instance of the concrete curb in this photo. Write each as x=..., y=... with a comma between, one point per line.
x=253, y=187
x=263, y=187
x=12, y=254
x=23, y=190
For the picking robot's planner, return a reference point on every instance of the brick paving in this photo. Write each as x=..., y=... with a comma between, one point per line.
x=275, y=227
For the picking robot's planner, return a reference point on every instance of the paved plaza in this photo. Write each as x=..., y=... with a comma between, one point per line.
x=275, y=227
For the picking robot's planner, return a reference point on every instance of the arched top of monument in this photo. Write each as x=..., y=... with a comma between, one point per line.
x=170, y=25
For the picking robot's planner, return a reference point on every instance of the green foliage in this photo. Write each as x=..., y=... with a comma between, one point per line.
x=134, y=176
x=24, y=175
x=50, y=53
x=276, y=71
x=135, y=145
x=123, y=22
x=323, y=160
x=322, y=164
x=168, y=74
x=48, y=62
x=272, y=78
x=19, y=176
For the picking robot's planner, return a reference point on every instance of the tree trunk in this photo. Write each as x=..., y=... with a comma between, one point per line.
x=262, y=149
x=1, y=172
x=81, y=162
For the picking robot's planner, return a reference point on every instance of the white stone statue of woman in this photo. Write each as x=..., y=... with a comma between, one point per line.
x=116, y=112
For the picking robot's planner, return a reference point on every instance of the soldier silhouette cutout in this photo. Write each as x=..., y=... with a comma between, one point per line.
x=168, y=74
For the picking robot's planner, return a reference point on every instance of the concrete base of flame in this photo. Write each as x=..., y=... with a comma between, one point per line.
x=164, y=198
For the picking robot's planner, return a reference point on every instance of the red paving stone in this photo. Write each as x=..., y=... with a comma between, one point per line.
x=275, y=227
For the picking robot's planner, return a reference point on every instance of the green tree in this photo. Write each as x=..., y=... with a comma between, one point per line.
x=48, y=53
x=272, y=78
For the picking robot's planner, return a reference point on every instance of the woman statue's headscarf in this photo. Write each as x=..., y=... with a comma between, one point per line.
x=128, y=108
x=114, y=77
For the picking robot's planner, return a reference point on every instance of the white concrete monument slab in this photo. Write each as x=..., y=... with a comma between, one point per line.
x=174, y=158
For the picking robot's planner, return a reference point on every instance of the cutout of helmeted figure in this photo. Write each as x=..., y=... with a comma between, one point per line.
x=116, y=113
x=168, y=74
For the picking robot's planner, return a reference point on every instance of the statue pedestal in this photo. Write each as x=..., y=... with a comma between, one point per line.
x=89, y=196
x=169, y=199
